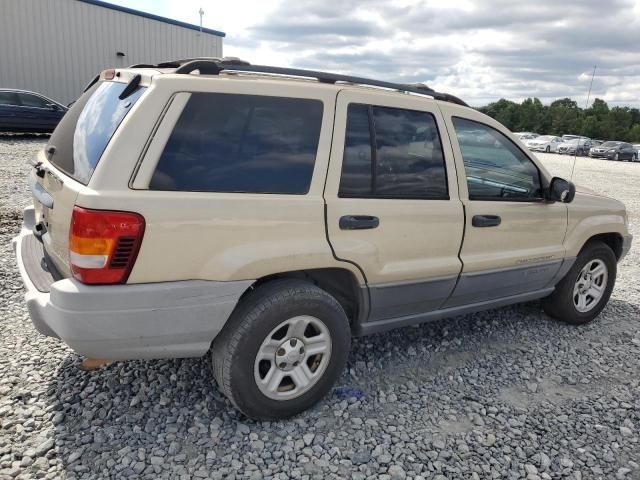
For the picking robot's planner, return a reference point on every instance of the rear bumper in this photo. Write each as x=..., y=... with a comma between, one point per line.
x=153, y=320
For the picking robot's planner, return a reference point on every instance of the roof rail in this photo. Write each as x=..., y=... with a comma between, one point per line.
x=213, y=66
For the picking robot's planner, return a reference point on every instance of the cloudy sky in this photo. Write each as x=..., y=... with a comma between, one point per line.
x=477, y=50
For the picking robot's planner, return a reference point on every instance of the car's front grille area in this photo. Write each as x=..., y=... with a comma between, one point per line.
x=123, y=252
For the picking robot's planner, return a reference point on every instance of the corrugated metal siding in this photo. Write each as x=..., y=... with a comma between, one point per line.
x=55, y=47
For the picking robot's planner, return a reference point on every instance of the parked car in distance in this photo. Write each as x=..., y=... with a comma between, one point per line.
x=576, y=146
x=22, y=111
x=269, y=219
x=567, y=138
x=525, y=135
x=614, y=151
x=544, y=143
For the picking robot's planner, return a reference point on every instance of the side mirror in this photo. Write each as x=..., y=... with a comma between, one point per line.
x=561, y=190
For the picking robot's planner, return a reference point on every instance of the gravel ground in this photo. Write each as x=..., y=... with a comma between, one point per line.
x=507, y=393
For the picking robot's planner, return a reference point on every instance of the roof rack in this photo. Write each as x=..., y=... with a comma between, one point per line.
x=213, y=66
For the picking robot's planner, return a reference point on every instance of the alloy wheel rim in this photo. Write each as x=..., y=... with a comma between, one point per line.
x=292, y=358
x=590, y=285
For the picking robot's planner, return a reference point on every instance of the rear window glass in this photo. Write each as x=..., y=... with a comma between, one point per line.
x=241, y=143
x=84, y=132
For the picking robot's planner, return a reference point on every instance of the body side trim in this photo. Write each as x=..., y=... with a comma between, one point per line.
x=392, y=300
x=488, y=285
x=388, y=324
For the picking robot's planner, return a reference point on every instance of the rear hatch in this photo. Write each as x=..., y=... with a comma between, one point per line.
x=66, y=164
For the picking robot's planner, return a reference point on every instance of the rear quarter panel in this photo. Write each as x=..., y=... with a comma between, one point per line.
x=213, y=236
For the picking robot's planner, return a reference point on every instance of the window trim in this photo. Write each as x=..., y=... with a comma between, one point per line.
x=374, y=157
x=541, y=178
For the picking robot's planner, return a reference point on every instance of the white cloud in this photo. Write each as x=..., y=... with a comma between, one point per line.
x=478, y=50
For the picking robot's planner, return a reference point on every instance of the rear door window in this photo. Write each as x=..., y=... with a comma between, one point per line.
x=392, y=153
x=241, y=143
x=28, y=100
x=9, y=98
x=84, y=132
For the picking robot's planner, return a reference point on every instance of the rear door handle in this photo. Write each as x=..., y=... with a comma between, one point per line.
x=486, y=220
x=358, y=222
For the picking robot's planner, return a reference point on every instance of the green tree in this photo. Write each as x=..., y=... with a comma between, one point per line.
x=504, y=111
x=634, y=133
x=617, y=123
x=591, y=127
x=530, y=115
x=565, y=116
x=599, y=109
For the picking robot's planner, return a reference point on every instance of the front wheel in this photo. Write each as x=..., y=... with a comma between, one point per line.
x=282, y=349
x=585, y=290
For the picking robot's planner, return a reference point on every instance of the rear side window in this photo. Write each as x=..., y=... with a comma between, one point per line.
x=28, y=100
x=9, y=98
x=241, y=143
x=84, y=132
x=392, y=153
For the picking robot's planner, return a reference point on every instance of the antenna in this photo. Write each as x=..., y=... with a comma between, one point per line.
x=586, y=105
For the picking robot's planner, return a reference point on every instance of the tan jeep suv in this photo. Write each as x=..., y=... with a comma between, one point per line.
x=269, y=214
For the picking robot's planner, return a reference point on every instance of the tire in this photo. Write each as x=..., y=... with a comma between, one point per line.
x=258, y=319
x=548, y=149
x=634, y=157
x=561, y=304
x=616, y=157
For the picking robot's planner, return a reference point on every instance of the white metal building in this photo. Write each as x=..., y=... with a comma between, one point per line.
x=55, y=47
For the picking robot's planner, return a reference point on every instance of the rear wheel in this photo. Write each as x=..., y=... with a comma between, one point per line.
x=282, y=349
x=585, y=290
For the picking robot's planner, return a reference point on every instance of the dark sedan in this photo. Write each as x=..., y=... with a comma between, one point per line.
x=614, y=151
x=28, y=112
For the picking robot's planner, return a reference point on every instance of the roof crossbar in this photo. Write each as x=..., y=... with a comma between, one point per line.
x=215, y=66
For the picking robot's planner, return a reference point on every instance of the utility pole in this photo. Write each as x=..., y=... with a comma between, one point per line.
x=201, y=12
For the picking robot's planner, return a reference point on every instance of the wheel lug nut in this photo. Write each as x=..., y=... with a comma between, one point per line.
x=295, y=364
x=293, y=342
x=283, y=365
x=301, y=349
x=280, y=352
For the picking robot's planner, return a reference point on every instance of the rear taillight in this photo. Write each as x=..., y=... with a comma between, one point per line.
x=103, y=245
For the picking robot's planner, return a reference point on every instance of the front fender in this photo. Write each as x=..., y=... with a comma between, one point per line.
x=590, y=215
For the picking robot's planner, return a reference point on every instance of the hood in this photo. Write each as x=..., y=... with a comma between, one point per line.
x=586, y=191
x=590, y=200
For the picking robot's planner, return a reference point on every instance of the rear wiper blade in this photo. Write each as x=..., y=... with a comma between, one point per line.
x=131, y=87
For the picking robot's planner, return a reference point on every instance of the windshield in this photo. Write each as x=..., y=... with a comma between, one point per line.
x=545, y=138
x=610, y=144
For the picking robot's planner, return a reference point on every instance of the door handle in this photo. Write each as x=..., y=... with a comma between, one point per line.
x=486, y=220
x=358, y=222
